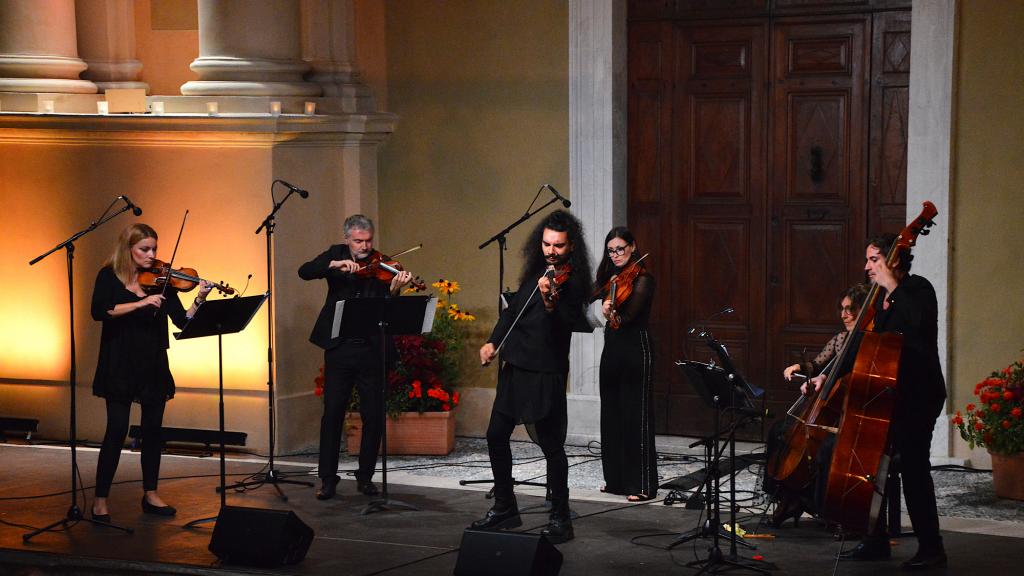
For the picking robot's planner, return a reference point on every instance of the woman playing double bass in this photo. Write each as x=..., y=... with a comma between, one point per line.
x=907, y=304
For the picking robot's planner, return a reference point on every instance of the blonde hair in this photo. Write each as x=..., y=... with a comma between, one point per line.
x=121, y=261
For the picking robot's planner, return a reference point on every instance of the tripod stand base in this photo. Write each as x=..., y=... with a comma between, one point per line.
x=273, y=478
x=384, y=504
x=717, y=562
x=73, y=516
x=705, y=531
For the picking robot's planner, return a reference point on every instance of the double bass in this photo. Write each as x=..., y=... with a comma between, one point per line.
x=856, y=408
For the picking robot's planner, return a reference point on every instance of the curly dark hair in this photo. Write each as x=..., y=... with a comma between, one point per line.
x=533, y=256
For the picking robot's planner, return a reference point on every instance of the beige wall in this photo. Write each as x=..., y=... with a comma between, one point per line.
x=988, y=205
x=481, y=89
x=167, y=41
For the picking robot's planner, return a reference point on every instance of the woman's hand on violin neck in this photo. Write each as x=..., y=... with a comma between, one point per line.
x=344, y=265
x=205, y=287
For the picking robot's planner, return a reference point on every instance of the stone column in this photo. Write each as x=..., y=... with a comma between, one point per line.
x=249, y=48
x=930, y=159
x=38, y=48
x=106, y=41
x=328, y=45
x=597, y=170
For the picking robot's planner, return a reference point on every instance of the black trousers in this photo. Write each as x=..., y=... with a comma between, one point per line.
x=113, y=441
x=548, y=433
x=912, y=440
x=346, y=367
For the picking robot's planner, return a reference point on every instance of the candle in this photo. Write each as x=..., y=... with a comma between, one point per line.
x=211, y=108
x=310, y=108
x=158, y=107
x=102, y=107
x=275, y=108
x=48, y=106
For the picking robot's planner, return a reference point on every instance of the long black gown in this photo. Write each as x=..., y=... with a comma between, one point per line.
x=628, y=454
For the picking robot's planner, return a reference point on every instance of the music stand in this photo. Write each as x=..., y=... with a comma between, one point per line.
x=217, y=318
x=383, y=318
x=722, y=390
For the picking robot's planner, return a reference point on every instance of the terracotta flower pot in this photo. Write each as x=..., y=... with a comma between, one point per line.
x=1008, y=475
x=429, y=433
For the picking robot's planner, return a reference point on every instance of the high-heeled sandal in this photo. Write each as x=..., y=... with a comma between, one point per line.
x=639, y=498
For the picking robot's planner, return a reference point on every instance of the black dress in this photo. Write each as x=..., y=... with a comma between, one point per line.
x=628, y=454
x=132, y=365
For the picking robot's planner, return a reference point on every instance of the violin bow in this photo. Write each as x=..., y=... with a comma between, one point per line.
x=170, y=265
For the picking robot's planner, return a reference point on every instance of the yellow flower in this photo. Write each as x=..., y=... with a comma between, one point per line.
x=447, y=286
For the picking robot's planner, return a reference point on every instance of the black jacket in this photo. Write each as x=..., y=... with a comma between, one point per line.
x=340, y=286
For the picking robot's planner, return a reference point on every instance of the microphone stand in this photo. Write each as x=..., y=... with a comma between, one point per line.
x=501, y=239
x=74, y=513
x=272, y=476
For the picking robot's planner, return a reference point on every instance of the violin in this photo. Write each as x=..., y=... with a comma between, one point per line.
x=384, y=268
x=557, y=275
x=620, y=287
x=181, y=279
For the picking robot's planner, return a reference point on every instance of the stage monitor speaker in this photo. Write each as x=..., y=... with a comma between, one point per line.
x=485, y=553
x=260, y=537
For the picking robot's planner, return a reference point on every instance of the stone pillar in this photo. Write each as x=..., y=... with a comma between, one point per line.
x=929, y=162
x=38, y=48
x=597, y=170
x=249, y=48
x=328, y=46
x=106, y=41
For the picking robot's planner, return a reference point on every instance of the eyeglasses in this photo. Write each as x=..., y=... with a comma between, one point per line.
x=618, y=251
x=851, y=310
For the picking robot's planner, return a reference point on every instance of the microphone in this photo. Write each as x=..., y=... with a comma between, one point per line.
x=565, y=201
x=135, y=209
x=295, y=189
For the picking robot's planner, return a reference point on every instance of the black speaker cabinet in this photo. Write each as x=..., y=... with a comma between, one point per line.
x=260, y=537
x=484, y=553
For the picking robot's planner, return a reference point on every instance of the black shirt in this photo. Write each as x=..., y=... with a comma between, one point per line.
x=340, y=286
x=132, y=364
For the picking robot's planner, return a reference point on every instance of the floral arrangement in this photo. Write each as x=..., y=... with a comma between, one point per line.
x=427, y=367
x=996, y=422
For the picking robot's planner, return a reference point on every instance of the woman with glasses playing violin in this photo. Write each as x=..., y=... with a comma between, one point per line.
x=132, y=364
x=626, y=288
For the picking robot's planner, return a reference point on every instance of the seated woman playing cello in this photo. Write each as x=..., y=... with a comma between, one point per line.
x=790, y=503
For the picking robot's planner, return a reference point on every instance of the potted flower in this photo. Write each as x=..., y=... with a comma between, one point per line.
x=996, y=422
x=420, y=393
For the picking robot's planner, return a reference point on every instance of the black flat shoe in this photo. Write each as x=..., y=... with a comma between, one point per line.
x=105, y=518
x=496, y=519
x=157, y=510
x=868, y=550
x=925, y=560
x=328, y=487
x=367, y=487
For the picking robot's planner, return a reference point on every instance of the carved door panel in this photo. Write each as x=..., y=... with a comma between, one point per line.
x=818, y=176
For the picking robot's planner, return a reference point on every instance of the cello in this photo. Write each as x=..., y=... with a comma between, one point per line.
x=856, y=408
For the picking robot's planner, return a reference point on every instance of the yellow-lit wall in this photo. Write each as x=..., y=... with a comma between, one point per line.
x=52, y=190
x=481, y=89
x=987, y=270
x=167, y=41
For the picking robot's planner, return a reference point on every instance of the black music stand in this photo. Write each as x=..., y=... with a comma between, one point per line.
x=722, y=390
x=217, y=318
x=383, y=318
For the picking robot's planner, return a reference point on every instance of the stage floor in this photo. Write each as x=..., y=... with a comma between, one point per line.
x=608, y=540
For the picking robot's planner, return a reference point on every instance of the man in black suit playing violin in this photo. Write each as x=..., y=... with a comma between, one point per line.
x=908, y=305
x=349, y=362
x=535, y=367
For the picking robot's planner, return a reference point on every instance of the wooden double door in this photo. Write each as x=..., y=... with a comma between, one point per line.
x=763, y=151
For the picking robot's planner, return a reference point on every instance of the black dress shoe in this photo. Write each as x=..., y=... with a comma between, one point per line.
x=499, y=518
x=328, y=487
x=926, y=559
x=105, y=518
x=868, y=550
x=157, y=510
x=558, y=530
x=367, y=487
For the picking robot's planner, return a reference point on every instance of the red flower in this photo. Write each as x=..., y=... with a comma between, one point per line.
x=1007, y=395
x=1016, y=412
x=1006, y=424
x=970, y=408
x=455, y=401
x=958, y=420
x=979, y=426
x=446, y=407
x=995, y=407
